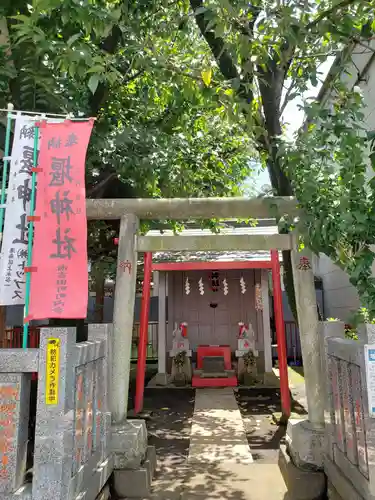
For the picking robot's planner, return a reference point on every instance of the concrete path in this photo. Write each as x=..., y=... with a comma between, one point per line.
x=220, y=465
x=217, y=433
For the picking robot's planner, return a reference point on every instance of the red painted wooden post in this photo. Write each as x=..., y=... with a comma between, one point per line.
x=280, y=333
x=143, y=333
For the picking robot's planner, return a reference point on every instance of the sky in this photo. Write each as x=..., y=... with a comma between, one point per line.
x=293, y=118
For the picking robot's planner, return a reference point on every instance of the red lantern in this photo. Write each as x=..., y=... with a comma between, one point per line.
x=183, y=328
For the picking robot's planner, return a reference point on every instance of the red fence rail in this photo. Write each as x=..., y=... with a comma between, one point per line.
x=12, y=338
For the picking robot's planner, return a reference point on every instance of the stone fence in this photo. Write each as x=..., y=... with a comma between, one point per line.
x=350, y=422
x=72, y=457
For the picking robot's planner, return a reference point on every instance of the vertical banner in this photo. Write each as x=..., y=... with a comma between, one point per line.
x=59, y=278
x=14, y=245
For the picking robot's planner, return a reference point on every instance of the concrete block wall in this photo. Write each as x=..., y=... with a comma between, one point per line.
x=72, y=456
x=340, y=297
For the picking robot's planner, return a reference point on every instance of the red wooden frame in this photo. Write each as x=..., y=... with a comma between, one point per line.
x=273, y=264
x=280, y=334
x=143, y=332
x=211, y=266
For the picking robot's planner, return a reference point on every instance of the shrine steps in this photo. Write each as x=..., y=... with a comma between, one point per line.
x=229, y=381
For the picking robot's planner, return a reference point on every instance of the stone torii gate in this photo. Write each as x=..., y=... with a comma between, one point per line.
x=130, y=211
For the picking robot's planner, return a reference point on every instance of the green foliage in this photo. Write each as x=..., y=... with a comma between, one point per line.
x=270, y=53
x=328, y=166
x=161, y=127
x=351, y=334
x=363, y=315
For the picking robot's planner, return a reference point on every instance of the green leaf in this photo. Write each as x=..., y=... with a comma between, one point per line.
x=93, y=83
x=206, y=76
x=21, y=17
x=73, y=39
x=98, y=68
x=200, y=10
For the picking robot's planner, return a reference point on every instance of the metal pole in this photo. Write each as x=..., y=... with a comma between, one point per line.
x=280, y=334
x=143, y=331
x=30, y=238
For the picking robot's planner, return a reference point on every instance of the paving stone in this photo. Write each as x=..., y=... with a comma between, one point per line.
x=217, y=433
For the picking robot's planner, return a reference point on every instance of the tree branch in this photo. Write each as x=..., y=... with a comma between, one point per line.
x=286, y=98
x=92, y=192
x=328, y=12
x=222, y=56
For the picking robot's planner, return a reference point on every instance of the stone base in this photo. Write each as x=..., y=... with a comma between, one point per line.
x=270, y=379
x=136, y=483
x=129, y=444
x=305, y=445
x=162, y=379
x=339, y=488
x=301, y=484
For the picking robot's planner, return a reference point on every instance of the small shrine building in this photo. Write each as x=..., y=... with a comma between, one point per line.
x=209, y=297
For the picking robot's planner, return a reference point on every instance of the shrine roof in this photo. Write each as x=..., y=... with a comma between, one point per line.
x=213, y=256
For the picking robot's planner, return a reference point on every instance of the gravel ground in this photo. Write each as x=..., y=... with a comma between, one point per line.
x=169, y=425
x=263, y=435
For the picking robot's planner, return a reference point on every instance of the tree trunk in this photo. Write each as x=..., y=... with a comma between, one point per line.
x=271, y=86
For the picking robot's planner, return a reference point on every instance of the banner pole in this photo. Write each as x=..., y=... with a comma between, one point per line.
x=5, y=172
x=30, y=238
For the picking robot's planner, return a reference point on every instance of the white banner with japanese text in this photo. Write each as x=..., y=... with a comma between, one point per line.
x=14, y=241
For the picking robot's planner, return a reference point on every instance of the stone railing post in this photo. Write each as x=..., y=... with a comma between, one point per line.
x=301, y=461
x=366, y=333
x=123, y=315
x=53, y=454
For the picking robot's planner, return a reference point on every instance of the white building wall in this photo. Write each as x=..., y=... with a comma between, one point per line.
x=340, y=297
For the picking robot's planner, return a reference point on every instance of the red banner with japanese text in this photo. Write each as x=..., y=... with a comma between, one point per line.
x=59, y=274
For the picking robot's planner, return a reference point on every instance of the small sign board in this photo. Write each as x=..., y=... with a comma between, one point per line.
x=370, y=375
x=52, y=371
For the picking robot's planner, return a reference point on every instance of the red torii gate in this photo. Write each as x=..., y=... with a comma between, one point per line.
x=273, y=264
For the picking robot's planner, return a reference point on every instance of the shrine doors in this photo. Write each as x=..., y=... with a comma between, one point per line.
x=212, y=317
